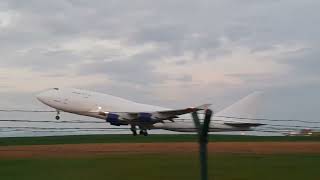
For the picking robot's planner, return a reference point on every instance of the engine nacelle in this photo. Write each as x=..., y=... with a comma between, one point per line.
x=113, y=119
x=145, y=117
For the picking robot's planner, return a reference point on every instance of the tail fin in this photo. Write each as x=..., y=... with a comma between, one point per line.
x=241, y=110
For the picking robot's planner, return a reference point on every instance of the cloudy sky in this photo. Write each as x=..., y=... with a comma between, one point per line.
x=169, y=53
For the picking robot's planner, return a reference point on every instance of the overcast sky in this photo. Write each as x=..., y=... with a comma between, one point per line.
x=169, y=53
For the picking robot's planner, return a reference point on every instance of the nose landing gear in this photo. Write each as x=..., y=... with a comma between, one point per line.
x=58, y=115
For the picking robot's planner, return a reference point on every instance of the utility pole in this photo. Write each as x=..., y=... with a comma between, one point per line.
x=202, y=129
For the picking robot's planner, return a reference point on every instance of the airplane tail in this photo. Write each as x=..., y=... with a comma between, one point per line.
x=241, y=113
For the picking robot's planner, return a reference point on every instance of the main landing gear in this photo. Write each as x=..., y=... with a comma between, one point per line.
x=133, y=130
x=142, y=131
x=58, y=115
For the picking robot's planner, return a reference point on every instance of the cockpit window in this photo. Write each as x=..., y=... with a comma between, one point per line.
x=56, y=89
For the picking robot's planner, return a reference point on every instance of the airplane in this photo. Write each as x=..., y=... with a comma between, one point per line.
x=119, y=111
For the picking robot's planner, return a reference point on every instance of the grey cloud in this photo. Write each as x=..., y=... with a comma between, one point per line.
x=40, y=60
x=306, y=62
x=185, y=78
x=130, y=71
x=172, y=24
x=175, y=28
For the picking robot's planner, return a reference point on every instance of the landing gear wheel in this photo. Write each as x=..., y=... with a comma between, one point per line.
x=133, y=130
x=143, y=132
x=58, y=113
x=134, y=133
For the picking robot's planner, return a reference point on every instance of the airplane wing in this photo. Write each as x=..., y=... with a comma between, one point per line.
x=120, y=118
x=169, y=114
x=175, y=113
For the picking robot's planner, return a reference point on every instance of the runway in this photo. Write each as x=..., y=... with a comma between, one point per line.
x=79, y=150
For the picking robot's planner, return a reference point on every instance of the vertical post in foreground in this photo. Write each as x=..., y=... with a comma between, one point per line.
x=202, y=129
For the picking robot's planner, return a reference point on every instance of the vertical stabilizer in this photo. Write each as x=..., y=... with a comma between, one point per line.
x=247, y=107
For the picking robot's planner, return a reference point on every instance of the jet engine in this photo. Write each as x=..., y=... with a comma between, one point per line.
x=113, y=119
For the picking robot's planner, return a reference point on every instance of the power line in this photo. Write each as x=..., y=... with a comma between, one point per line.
x=228, y=117
x=108, y=129
x=292, y=126
x=266, y=119
x=59, y=122
x=21, y=110
x=103, y=122
x=117, y=130
x=267, y=128
x=59, y=128
x=113, y=128
x=59, y=131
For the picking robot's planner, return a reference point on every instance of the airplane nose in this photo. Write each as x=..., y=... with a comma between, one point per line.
x=39, y=96
x=42, y=96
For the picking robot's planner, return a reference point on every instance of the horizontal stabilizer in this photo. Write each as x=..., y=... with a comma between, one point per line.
x=243, y=125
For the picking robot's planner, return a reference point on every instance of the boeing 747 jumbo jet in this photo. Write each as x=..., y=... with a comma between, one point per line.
x=118, y=111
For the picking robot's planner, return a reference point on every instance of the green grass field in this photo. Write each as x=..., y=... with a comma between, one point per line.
x=164, y=167
x=152, y=138
x=158, y=166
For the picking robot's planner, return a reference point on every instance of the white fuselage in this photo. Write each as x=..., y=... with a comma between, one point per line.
x=91, y=104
